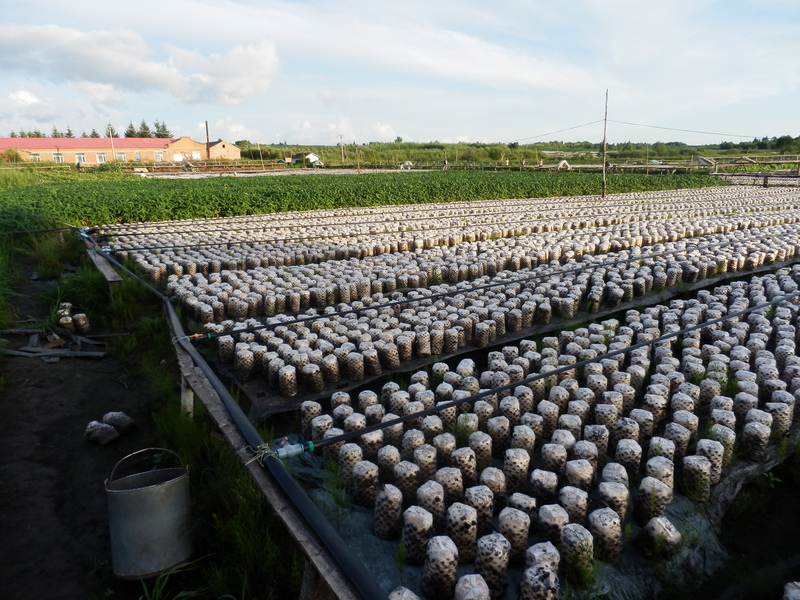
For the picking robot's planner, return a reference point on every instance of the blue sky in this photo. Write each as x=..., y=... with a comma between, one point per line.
x=307, y=72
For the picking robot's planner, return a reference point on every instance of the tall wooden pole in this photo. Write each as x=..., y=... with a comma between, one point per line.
x=605, y=123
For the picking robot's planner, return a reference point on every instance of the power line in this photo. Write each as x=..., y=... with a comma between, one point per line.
x=685, y=130
x=559, y=131
x=750, y=137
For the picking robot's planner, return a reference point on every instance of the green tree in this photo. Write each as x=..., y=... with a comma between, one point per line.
x=13, y=134
x=161, y=130
x=69, y=133
x=659, y=149
x=111, y=131
x=784, y=144
x=144, y=130
x=55, y=133
x=130, y=131
x=94, y=134
x=496, y=153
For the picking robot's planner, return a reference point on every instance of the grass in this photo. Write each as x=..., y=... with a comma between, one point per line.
x=336, y=502
x=49, y=252
x=245, y=550
x=8, y=282
x=694, y=487
x=160, y=588
x=400, y=558
x=584, y=574
x=245, y=545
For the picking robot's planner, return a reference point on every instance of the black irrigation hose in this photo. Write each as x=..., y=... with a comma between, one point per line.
x=520, y=280
x=341, y=554
x=531, y=378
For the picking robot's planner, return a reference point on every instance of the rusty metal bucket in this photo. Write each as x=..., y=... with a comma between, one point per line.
x=148, y=518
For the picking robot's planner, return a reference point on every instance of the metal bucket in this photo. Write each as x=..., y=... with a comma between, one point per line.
x=148, y=518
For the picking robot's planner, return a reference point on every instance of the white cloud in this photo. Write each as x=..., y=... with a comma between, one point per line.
x=244, y=72
x=98, y=92
x=226, y=128
x=383, y=132
x=23, y=98
x=122, y=60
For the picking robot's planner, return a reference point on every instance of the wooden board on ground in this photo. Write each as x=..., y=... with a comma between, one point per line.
x=102, y=265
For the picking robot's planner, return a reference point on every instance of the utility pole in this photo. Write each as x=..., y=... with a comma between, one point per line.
x=110, y=131
x=341, y=146
x=605, y=123
x=208, y=144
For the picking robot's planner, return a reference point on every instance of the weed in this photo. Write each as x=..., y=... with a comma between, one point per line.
x=695, y=486
x=690, y=536
x=627, y=533
x=336, y=504
x=8, y=281
x=731, y=387
x=50, y=251
x=656, y=548
x=657, y=450
x=462, y=432
x=583, y=574
x=651, y=503
x=683, y=290
x=400, y=558
x=160, y=588
x=771, y=479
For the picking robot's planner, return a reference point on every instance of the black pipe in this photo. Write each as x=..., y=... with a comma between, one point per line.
x=353, y=568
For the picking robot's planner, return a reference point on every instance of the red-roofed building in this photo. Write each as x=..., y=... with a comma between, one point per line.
x=96, y=151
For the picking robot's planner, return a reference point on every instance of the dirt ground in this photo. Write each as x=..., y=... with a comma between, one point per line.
x=55, y=539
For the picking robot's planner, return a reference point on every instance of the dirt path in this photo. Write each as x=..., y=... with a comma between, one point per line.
x=52, y=496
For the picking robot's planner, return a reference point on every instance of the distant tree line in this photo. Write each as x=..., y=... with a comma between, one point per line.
x=159, y=130
x=515, y=153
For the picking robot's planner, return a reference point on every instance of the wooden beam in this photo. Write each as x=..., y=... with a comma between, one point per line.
x=104, y=267
x=102, y=264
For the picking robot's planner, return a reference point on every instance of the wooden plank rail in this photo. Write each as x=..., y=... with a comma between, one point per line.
x=112, y=277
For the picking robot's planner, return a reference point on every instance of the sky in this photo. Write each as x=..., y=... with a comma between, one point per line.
x=314, y=72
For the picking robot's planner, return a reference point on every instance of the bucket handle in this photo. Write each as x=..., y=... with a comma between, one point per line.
x=139, y=452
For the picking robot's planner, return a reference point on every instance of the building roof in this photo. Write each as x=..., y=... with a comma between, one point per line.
x=85, y=143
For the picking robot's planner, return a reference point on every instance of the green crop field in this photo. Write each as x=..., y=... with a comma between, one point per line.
x=81, y=203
